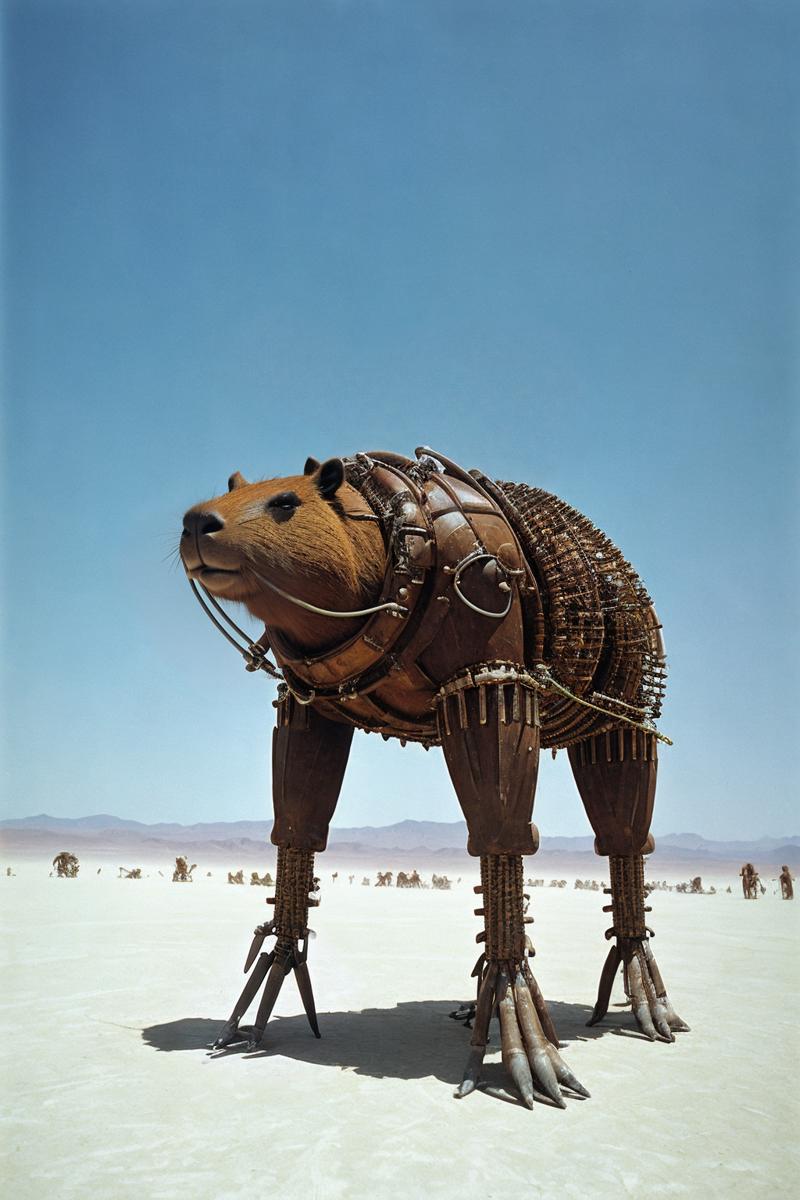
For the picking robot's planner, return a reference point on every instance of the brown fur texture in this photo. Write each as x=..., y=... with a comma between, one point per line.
x=299, y=533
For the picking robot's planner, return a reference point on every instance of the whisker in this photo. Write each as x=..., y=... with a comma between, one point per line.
x=173, y=556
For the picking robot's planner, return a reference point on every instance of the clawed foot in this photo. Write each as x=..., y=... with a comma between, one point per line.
x=528, y=1040
x=644, y=987
x=274, y=967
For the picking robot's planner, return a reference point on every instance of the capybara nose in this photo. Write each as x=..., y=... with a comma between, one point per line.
x=202, y=522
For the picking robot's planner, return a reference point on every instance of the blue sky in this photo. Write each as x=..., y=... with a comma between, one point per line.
x=557, y=241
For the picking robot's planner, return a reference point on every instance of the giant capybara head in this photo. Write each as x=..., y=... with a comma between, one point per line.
x=298, y=532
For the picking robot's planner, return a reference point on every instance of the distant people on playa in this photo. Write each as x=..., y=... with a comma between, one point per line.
x=785, y=878
x=66, y=865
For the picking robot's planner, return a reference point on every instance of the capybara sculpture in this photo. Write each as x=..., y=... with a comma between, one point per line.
x=420, y=601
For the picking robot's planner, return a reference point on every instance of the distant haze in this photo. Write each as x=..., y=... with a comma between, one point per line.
x=421, y=842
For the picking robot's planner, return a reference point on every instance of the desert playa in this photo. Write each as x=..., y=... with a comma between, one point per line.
x=115, y=988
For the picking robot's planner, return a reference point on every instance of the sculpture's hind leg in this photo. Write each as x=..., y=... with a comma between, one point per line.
x=616, y=777
x=489, y=726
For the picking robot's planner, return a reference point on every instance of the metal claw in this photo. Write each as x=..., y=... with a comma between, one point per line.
x=227, y=1034
x=278, y=971
x=472, y=1072
x=607, y=976
x=541, y=1008
x=306, y=995
x=537, y=1048
x=259, y=934
x=515, y=1058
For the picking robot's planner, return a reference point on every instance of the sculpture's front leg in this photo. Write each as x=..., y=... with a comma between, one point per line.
x=309, y=756
x=489, y=726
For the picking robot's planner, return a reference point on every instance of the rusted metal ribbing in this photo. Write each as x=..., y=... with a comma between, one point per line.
x=503, y=904
x=462, y=709
x=294, y=882
x=627, y=895
x=482, y=703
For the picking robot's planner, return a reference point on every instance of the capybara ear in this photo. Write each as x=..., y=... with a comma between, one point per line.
x=312, y=465
x=236, y=480
x=330, y=477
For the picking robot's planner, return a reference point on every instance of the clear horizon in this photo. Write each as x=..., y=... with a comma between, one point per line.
x=554, y=241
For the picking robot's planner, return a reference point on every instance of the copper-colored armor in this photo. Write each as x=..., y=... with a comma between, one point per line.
x=515, y=625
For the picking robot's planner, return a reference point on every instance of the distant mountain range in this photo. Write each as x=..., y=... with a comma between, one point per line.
x=106, y=832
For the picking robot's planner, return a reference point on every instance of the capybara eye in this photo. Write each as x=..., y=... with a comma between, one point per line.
x=284, y=501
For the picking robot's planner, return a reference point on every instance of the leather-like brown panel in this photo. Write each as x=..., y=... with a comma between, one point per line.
x=309, y=756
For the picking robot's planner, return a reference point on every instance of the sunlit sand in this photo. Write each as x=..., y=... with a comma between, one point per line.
x=116, y=987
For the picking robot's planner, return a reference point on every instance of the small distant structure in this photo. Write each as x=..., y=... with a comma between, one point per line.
x=441, y=883
x=182, y=872
x=334, y=876
x=350, y=879
x=750, y=881
x=66, y=865
x=384, y=879
x=366, y=881
x=9, y=872
x=124, y=873
x=237, y=878
x=694, y=887
x=785, y=879
x=408, y=881
x=257, y=880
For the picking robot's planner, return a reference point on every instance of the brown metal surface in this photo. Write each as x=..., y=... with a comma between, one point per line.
x=488, y=726
x=309, y=756
x=616, y=776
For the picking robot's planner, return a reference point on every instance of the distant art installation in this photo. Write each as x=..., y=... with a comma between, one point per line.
x=419, y=601
x=785, y=878
x=182, y=872
x=750, y=881
x=66, y=865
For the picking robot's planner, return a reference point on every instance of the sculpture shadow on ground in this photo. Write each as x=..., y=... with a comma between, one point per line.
x=412, y=1040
